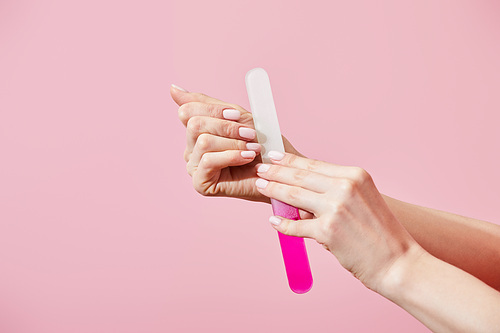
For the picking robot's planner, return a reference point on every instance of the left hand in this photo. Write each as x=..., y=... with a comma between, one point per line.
x=351, y=219
x=214, y=146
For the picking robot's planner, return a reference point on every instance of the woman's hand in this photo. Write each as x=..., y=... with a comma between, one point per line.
x=222, y=149
x=351, y=219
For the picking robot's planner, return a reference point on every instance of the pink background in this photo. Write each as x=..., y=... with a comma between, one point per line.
x=100, y=229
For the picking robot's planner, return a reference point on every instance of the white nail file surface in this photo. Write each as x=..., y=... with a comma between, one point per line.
x=266, y=124
x=264, y=112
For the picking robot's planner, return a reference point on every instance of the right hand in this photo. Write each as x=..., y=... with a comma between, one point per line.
x=214, y=147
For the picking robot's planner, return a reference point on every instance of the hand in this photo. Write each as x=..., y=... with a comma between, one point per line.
x=351, y=219
x=219, y=158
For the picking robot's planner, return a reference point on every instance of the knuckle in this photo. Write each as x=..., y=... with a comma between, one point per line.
x=338, y=209
x=185, y=110
x=205, y=161
x=273, y=170
x=360, y=175
x=293, y=194
x=194, y=124
x=187, y=155
x=247, y=118
x=189, y=169
x=299, y=175
x=327, y=229
x=240, y=145
x=288, y=228
x=312, y=165
x=213, y=109
x=285, y=227
x=347, y=187
x=291, y=159
x=229, y=130
x=199, y=187
x=181, y=112
x=203, y=142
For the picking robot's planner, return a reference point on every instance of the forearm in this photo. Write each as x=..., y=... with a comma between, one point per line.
x=469, y=244
x=441, y=296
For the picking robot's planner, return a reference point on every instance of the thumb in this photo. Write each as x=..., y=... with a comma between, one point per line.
x=300, y=228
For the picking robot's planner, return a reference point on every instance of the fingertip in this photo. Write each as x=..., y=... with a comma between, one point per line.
x=231, y=114
x=253, y=146
x=179, y=95
x=275, y=156
x=250, y=154
x=176, y=87
x=261, y=183
x=275, y=220
x=263, y=168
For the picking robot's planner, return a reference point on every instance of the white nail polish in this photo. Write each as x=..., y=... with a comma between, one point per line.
x=276, y=155
x=261, y=183
x=247, y=133
x=275, y=220
x=231, y=114
x=263, y=168
x=248, y=154
x=179, y=88
x=253, y=146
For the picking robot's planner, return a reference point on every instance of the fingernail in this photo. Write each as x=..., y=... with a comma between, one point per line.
x=247, y=133
x=275, y=220
x=179, y=88
x=253, y=146
x=263, y=168
x=276, y=155
x=248, y=154
x=231, y=114
x=261, y=183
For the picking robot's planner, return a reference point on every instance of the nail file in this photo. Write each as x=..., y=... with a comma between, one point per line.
x=267, y=127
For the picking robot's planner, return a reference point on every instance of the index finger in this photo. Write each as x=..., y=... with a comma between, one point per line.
x=182, y=97
x=324, y=168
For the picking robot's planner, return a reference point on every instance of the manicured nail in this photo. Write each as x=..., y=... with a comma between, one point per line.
x=231, y=114
x=276, y=155
x=275, y=220
x=179, y=88
x=253, y=146
x=248, y=154
x=263, y=168
x=261, y=183
x=247, y=133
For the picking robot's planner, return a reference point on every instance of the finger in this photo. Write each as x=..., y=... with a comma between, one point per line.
x=292, y=195
x=325, y=168
x=220, y=111
x=304, y=215
x=210, y=165
x=213, y=143
x=298, y=177
x=224, y=128
x=300, y=228
x=182, y=97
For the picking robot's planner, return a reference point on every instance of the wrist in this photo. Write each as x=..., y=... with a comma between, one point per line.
x=397, y=281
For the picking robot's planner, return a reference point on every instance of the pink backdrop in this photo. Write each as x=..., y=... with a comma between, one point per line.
x=100, y=229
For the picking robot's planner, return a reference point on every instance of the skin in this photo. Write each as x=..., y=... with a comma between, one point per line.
x=353, y=222
x=417, y=257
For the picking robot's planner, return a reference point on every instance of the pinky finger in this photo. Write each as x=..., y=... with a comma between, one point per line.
x=299, y=228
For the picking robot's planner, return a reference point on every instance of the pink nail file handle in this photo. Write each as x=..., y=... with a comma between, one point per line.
x=269, y=136
x=294, y=252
